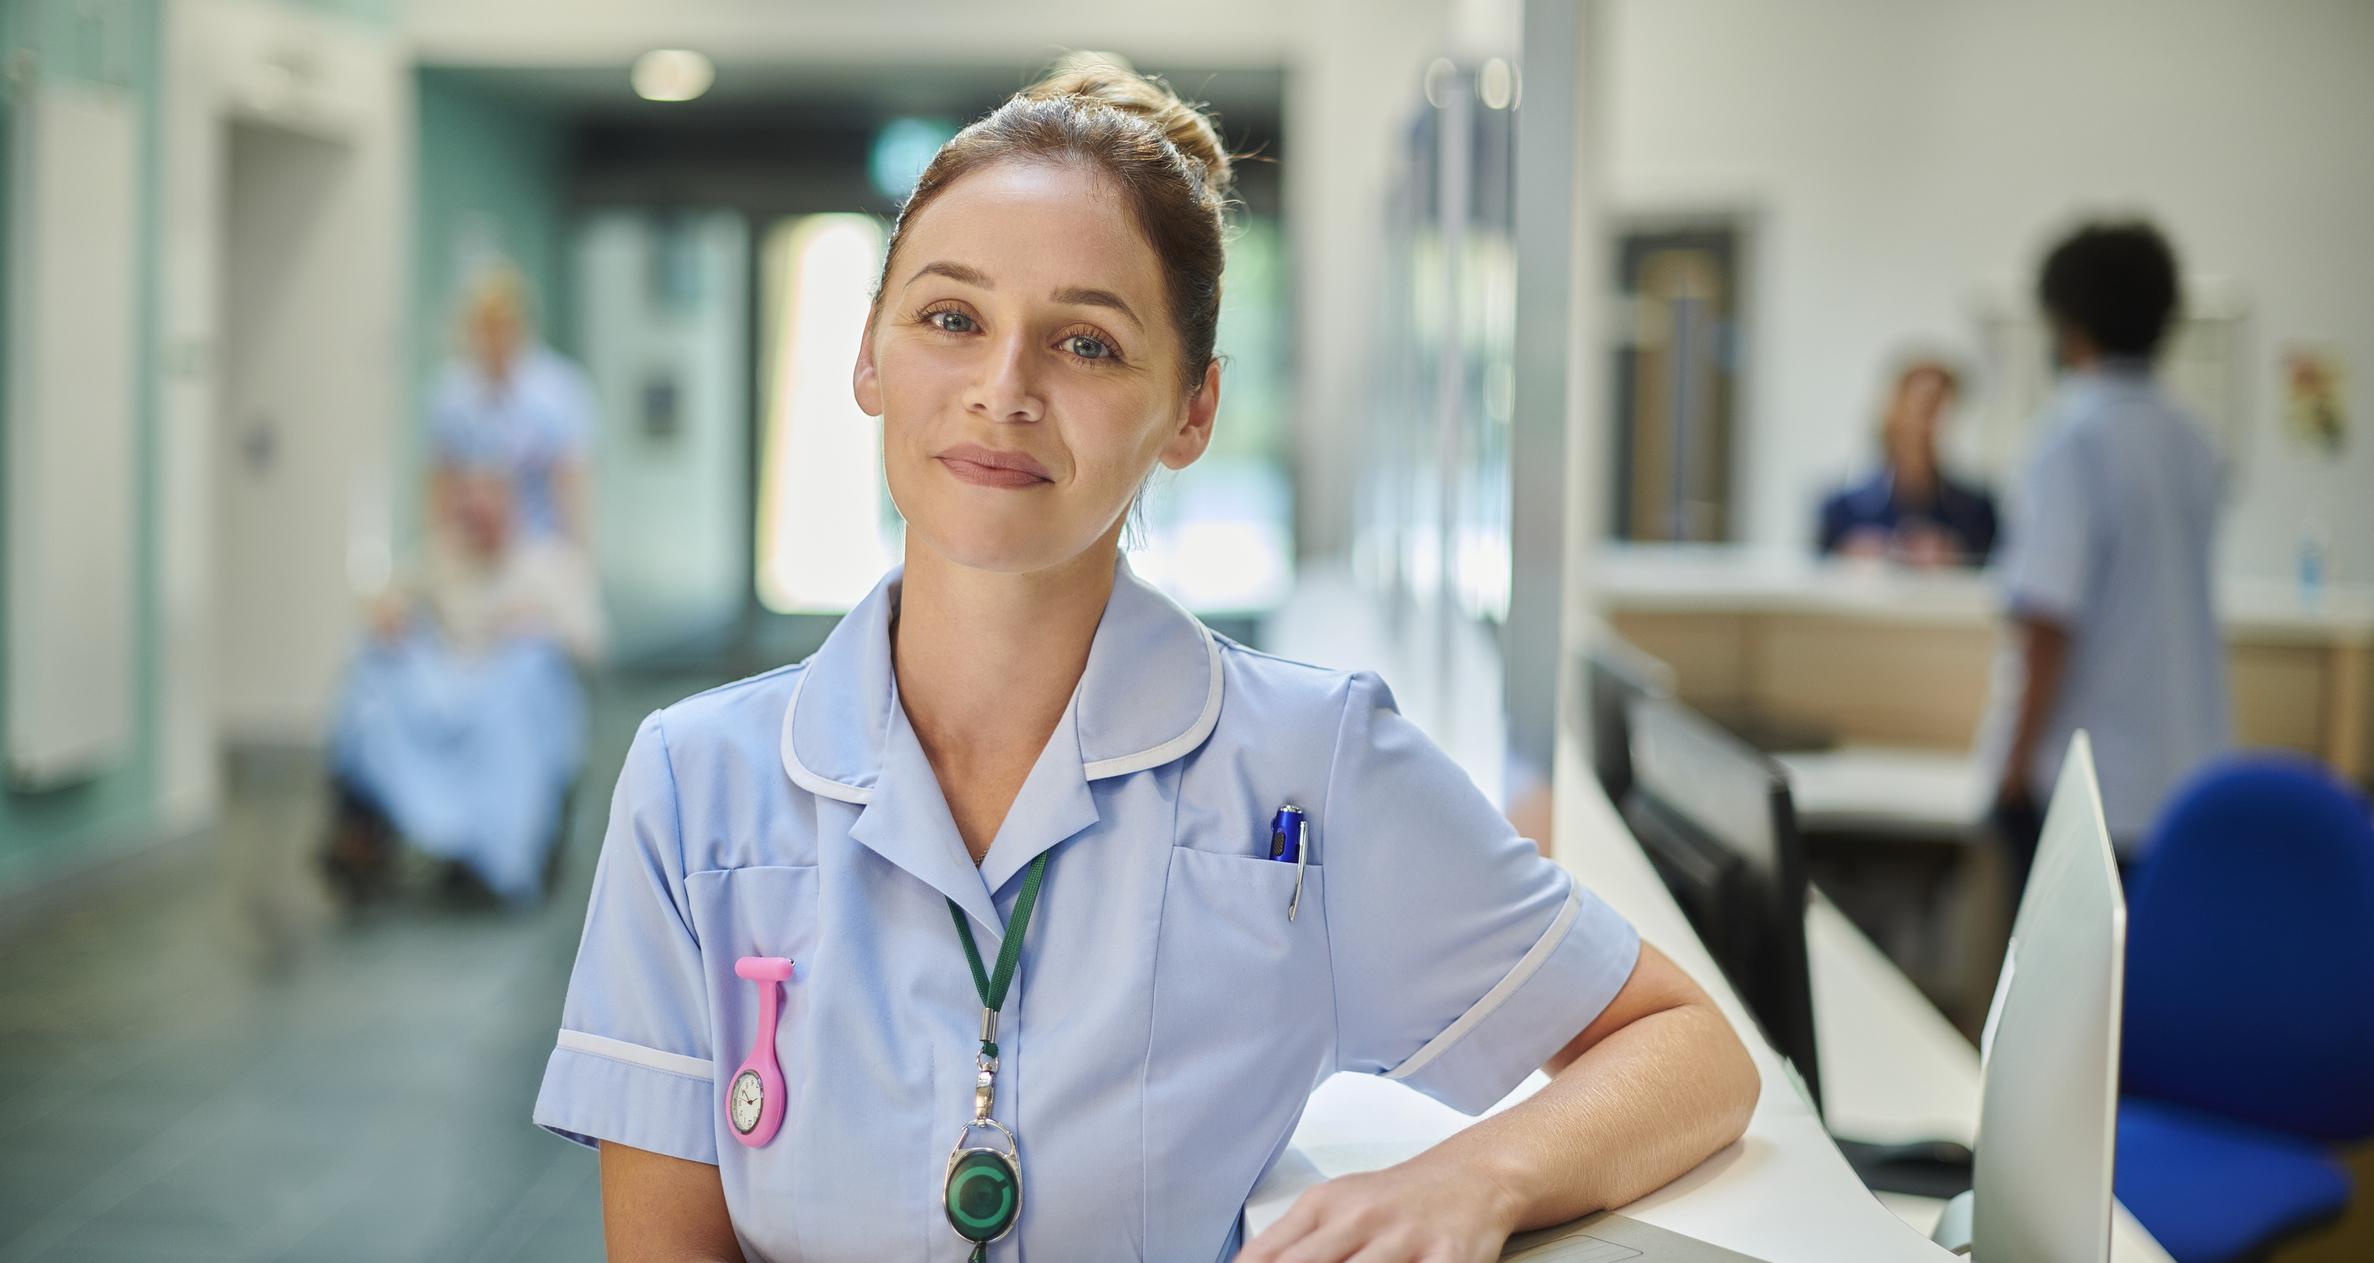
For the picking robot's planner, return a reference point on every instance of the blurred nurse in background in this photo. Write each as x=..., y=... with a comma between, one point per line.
x=1909, y=509
x=2108, y=584
x=512, y=405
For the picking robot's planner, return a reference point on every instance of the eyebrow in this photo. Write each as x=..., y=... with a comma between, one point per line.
x=1097, y=298
x=1077, y=295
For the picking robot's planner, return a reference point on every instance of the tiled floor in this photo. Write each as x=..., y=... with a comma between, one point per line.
x=202, y=1059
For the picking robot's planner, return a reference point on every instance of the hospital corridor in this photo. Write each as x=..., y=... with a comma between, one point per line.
x=203, y=1063
x=1272, y=631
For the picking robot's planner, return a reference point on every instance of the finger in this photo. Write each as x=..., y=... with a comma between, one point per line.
x=1273, y=1240
x=1332, y=1240
x=1396, y=1249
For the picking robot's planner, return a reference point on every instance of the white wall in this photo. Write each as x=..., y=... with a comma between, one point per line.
x=1900, y=158
x=252, y=648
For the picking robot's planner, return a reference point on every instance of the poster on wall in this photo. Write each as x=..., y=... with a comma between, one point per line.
x=2313, y=384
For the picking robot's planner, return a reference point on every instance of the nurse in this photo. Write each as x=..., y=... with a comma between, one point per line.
x=512, y=406
x=994, y=865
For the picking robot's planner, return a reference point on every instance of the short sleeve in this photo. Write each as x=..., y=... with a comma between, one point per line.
x=2048, y=553
x=572, y=417
x=632, y=1063
x=1463, y=959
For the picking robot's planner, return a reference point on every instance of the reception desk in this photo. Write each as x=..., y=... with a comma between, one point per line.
x=1861, y=653
x=1783, y=1194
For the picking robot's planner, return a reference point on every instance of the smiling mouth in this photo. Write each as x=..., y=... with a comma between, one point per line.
x=988, y=469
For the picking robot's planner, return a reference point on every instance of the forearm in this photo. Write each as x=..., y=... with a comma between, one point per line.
x=661, y=1209
x=2044, y=653
x=1638, y=1109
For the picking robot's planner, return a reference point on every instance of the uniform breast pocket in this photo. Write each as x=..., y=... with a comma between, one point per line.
x=1244, y=1025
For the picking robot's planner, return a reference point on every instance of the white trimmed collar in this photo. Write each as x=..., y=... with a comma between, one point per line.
x=1149, y=694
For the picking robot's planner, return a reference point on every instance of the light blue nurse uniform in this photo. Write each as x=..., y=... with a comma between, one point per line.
x=524, y=428
x=1167, y=1022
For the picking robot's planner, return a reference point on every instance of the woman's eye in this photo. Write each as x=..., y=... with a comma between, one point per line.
x=949, y=320
x=1087, y=347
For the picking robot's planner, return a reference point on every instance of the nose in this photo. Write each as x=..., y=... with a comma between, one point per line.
x=1006, y=389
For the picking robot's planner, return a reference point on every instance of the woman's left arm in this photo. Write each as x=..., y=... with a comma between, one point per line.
x=1652, y=1087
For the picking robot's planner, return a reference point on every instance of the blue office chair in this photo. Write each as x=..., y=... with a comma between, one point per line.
x=2249, y=1009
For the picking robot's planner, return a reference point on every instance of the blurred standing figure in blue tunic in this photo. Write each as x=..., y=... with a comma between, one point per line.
x=513, y=405
x=2108, y=592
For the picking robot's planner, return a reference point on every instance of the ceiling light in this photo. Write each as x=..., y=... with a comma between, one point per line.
x=1497, y=85
x=672, y=74
x=1439, y=73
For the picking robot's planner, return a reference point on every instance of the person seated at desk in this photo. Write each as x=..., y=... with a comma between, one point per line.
x=1909, y=509
x=460, y=726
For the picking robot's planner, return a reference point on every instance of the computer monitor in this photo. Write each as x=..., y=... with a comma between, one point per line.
x=1615, y=674
x=2049, y=1056
x=1715, y=817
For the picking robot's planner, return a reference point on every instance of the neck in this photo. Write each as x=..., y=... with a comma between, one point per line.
x=1915, y=480
x=987, y=661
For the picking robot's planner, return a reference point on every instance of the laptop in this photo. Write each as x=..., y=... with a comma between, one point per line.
x=2049, y=1055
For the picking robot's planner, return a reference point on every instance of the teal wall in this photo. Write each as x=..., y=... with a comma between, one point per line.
x=120, y=43
x=483, y=162
x=117, y=42
x=493, y=176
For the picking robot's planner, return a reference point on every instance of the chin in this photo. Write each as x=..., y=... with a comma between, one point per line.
x=1005, y=544
x=1003, y=532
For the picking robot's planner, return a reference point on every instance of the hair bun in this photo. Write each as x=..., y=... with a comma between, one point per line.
x=1110, y=80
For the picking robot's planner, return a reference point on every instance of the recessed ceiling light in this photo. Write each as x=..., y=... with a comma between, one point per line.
x=1439, y=73
x=672, y=74
x=1497, y=84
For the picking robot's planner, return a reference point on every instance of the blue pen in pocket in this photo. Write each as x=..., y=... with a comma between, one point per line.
x=1289, y=842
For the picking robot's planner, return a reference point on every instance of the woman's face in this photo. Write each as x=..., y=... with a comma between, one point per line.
x=1024, y=364
x=1921, y=401
x=1923, y=398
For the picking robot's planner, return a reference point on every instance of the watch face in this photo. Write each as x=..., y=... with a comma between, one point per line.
x=747, y=1100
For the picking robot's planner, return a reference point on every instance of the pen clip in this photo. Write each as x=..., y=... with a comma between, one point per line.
x=1302, y=855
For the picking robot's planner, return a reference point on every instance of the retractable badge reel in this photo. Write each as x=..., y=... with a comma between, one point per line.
x=984, y=1185
x=754, y=1105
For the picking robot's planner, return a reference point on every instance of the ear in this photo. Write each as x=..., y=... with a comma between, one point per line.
x=1194, y=434
x=864, y=382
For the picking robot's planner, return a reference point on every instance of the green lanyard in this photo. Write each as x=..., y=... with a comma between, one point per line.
x=992, y=987
x=983, y=1193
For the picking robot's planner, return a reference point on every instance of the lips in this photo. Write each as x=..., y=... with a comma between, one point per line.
x=992, y=468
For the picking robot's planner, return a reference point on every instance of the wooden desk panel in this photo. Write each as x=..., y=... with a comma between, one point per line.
x=1872, y=682
x=1878, y=680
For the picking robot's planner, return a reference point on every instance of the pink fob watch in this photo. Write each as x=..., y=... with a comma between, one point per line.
x=754, y=1102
